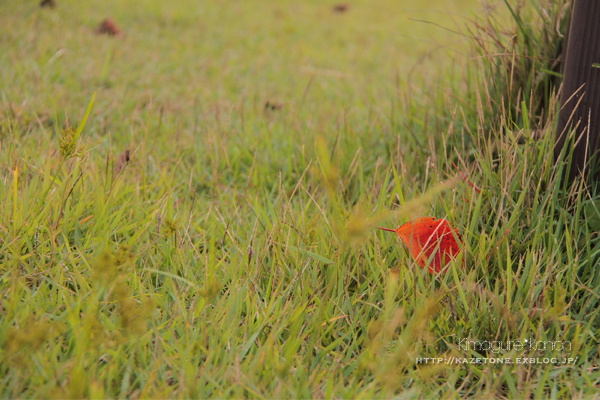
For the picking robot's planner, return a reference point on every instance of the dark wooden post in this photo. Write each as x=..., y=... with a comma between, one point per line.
x=580, y=98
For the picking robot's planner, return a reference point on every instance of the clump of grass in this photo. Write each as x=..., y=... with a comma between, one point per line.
x=520, y=56
x=67, y=143
x=68, y=138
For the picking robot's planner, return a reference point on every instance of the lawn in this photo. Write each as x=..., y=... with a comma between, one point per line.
x=187, y=209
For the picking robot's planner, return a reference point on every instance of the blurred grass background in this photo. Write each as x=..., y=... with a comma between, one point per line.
x=233, y=255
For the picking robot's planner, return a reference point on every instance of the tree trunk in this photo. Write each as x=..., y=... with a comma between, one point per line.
x=580, y=98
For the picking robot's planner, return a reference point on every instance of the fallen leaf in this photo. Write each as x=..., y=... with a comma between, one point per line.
x=273, y=106
x=48, y=3
x=108, y=27
x=122, y=160
x=430, y=239
x=340, y=8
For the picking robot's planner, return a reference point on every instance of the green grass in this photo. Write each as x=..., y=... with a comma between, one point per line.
x=234, y=255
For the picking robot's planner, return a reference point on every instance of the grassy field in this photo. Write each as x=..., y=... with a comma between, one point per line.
x=208, y=229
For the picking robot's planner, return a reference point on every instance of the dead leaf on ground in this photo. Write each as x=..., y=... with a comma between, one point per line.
x=48, y=3
x=269, y=105
x=122, y=160
x=108, y=27
x=340, y=8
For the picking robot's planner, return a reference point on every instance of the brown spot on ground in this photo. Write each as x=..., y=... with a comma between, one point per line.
x=48, y=3
x=108, y=27
x=340, y=8
x=122, y=160
x=270, y=105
